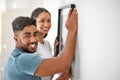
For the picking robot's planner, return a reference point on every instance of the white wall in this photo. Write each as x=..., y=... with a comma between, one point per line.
x=98, y=49
x=28, y=3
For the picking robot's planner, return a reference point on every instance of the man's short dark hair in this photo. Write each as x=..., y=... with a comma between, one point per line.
x=21, y=22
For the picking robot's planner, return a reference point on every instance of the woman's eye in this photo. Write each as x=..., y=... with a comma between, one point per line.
x=41, y=20
x=49, y=21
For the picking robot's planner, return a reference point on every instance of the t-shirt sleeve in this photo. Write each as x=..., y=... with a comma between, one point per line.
x=28, y=63
x=48, y=45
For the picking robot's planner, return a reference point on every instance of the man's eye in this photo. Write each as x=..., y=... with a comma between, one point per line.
x=27, y=36
x=36, y=34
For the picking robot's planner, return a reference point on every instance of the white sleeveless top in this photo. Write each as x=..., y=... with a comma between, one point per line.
x=45, y=51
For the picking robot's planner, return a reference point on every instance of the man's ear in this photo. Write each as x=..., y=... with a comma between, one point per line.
x=16, y=39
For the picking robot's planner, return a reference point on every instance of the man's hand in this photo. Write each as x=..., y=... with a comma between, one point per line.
x=72, y=21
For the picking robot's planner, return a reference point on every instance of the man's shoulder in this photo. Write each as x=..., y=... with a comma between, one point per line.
x=16, y=52
x=21, y=56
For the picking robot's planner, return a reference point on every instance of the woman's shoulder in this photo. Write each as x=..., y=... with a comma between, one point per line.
x=46, y=42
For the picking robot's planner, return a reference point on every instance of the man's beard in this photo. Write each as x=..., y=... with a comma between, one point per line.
x=25, y=48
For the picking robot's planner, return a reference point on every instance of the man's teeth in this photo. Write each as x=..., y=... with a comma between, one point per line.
x=33, y=45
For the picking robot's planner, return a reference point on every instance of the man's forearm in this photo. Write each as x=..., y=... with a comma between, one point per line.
x=69, y=49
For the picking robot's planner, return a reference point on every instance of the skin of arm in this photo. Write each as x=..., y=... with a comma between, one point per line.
x=62, y=62
x=65, y=75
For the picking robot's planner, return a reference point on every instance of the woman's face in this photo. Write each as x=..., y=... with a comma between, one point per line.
x=43, y=22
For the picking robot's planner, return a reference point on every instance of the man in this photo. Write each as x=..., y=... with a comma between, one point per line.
x=25, y=64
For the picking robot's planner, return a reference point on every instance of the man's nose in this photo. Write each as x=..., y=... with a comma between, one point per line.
x=33, y=39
